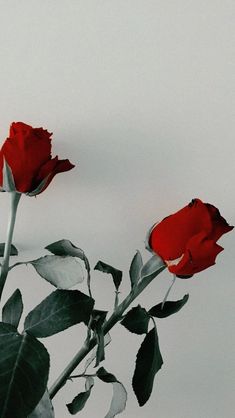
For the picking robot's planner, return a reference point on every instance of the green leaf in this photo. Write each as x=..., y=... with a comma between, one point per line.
x=14, y=250
x=136, y=266
x=105, y=376
x=107, y=340
x=148, y=362
x=152, y=268
x=136, y=320
x=80, y=400
x=97, y=320
x=44, y=408
x=60, y=310
x=119, y=398
x=24, y=367
x=115, y=273
x=65, y=247
x=61, y=271
x=13, y=308
x=169, y=308
x=8, y=183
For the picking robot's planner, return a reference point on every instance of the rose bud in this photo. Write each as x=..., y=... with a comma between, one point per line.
x=186, y=240
x=26, y=165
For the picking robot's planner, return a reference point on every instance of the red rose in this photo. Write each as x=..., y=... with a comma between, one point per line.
x=186, y=240
x=27, y=152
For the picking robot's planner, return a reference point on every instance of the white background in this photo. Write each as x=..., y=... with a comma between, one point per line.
x=140, y=96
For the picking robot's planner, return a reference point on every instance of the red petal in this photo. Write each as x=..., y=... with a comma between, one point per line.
x=170, y=237
x=50, y=169
x=17, y=127
x=219, y=224
x=199, y=255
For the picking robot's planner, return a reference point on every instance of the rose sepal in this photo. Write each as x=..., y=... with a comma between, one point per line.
x=40, y=187
x=8, y=184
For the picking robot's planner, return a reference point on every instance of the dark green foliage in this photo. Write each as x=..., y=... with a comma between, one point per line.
x=169, y=308
x=66, y=247
x=119, y=398
x=115, y=273
x=136, y=320
x=80, y=400
x=135, y=268
x=14, y=250
x=13, y=308
x=105, y=376
x=44, y=409
x=24, y=367
x=60, y=310
x=148, y=362
x=97, y=320
x=107, y=340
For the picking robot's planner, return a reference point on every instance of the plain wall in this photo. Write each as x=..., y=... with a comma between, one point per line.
x=140, y=97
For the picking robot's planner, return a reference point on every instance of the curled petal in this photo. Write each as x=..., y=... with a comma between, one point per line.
x=220, y=225
x=200, y=254
x=50, y=169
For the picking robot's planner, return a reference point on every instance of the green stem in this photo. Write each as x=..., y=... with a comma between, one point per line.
x=15, y=198
x=116, y=299
x=19, y=263
x=89, y=345
x=82, y=375
x=168, y=291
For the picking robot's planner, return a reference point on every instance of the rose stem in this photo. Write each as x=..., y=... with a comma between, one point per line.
x=88, y=345
x=15, y=198
x=168, y=291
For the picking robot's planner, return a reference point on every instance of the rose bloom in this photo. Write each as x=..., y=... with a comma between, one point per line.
x=27, y=151
x=186, y=240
